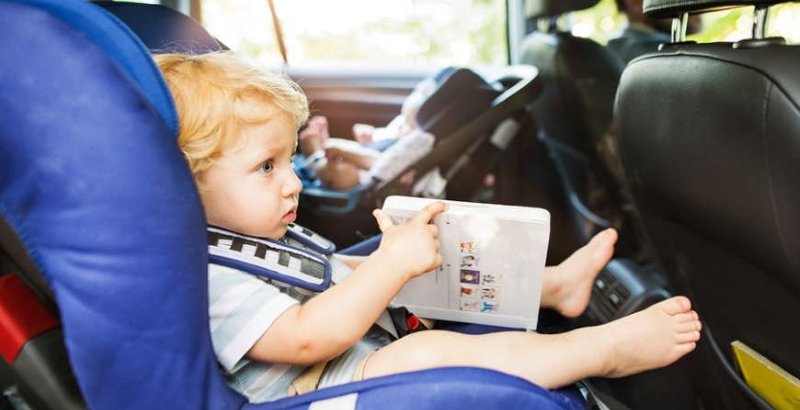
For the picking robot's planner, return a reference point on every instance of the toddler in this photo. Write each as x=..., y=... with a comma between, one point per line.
x=238, y=131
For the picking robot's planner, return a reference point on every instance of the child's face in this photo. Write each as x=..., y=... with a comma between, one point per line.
x=252, y=188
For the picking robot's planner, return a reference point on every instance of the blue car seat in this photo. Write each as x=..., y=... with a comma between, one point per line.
x=103, y=237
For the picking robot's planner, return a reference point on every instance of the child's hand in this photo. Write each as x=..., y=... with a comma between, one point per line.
x=412, y=247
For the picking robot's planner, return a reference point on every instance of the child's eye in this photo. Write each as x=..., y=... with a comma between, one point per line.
x=266, y=167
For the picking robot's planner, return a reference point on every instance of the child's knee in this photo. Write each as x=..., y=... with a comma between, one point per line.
x=337, y=174
x=427, y=351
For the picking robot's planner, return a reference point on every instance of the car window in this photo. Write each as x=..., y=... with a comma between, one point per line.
x=602, y=22
x=348, y=32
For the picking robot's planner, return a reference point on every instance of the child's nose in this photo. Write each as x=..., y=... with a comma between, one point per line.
x=292, y=186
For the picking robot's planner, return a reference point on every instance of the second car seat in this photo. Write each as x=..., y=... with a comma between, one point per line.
x=465, y=113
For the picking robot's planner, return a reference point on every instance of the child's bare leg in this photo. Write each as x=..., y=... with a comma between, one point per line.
x=336, y=174
x=568, y=286
x=645, y=340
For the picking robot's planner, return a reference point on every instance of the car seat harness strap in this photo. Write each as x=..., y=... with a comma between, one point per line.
x=276, y=261
x=292, y=264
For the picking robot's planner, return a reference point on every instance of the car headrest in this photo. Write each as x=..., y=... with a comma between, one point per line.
x=672, y=8
x=535, y=9
x=459, y=96
x=162, y=29
x=95, y=187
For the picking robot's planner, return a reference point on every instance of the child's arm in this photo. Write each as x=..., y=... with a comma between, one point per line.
x=352, y=152
x=352, y=262
x=337, y=318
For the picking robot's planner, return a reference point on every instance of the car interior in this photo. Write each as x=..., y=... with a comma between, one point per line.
x=108, y=326
x=688, y=151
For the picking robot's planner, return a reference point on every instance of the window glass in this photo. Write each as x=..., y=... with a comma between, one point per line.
x=343, y=32
x=737, y=24
x=603, y=22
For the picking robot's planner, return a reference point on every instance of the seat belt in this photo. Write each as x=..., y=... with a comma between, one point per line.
x=298, y=261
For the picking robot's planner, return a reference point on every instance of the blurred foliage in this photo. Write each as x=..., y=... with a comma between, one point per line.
x=400, y=32
x=603, y=22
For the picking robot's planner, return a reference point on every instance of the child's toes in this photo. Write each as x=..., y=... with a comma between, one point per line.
x=675, y=305
x=684, y=348
x=688, y=337
x=685, y=317
x=687, y=327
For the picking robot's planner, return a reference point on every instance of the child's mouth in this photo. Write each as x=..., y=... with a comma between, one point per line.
x=290, y=216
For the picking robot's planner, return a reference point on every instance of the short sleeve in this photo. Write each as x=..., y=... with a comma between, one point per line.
x=241, y=308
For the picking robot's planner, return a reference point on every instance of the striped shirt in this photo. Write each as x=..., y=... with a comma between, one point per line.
x=242, y=307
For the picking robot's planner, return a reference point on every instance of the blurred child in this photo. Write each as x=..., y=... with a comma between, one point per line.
x=438, y=106
x=342, y=164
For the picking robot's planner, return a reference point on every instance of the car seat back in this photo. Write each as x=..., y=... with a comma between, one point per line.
x=710, y=140
x=574, y=115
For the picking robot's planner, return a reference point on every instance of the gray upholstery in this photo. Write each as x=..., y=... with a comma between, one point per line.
x=709, y=136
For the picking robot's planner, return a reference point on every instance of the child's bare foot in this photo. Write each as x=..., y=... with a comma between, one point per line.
x=568, y=286
x=652, y=338
x=312, y=139
x=363, y=133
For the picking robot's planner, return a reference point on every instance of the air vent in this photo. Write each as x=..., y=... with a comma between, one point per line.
x=609, y=295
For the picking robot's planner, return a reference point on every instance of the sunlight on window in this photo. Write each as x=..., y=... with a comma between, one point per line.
x=603, y=22
x=396, y=33
x=737, y=24
x=785, y=22
x=599, y=23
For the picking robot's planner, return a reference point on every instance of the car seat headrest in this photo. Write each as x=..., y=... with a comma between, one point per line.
x=459, y=96
x=535, y=9
x=162, y=29
x=671, y=8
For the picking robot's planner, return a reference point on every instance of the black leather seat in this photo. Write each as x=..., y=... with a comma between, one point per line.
x=709, y=136
x=574, y=116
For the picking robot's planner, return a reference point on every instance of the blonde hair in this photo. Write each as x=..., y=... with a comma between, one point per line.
x=218, y=94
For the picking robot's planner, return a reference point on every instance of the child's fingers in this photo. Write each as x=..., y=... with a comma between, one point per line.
x=384, y=222
x=434, y=230
x=426, y=214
